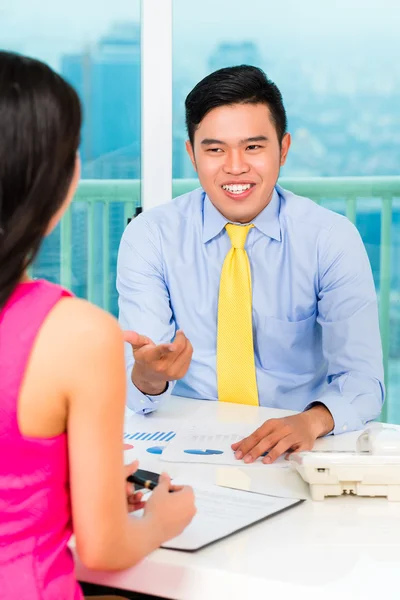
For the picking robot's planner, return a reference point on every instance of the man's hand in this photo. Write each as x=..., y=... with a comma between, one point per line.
x=156, y=365
x=288, y=434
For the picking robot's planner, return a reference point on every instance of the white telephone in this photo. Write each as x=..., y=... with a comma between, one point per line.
x=372, y=470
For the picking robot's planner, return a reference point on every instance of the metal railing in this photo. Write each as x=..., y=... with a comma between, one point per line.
x=348, y=190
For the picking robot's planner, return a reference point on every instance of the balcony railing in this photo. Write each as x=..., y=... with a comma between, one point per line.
x=346, y=194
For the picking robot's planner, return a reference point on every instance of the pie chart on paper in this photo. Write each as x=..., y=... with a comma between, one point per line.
x=155, y=450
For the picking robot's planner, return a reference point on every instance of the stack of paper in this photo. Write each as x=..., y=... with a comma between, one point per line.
x=222, y=512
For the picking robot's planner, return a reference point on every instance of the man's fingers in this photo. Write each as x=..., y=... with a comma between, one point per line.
x=167, y=361
x=161, y=351
x=171, y=359
x=280, y=448
x=264, y=446
x=245, y=445
x=147, y=350
x=152, y=354
x=180, y=343
x=276, y=436
x=136, y=340
x=180, y=362
x=300, y=447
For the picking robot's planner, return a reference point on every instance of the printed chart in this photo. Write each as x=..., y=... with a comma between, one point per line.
x=210, y=442
x=147, y=437
x=208, y=436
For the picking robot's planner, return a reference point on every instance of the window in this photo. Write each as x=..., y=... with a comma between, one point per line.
x=96, y=47
x=333, y=63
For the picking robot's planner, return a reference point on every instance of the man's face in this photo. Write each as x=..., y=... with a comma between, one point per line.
x=237, y=157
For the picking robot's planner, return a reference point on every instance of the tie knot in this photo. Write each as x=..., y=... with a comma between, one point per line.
x=238, y=234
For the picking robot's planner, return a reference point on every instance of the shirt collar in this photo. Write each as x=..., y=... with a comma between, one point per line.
x=267, y=221
x=213, y=220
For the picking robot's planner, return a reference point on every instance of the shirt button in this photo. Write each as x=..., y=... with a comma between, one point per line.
x=344, y=428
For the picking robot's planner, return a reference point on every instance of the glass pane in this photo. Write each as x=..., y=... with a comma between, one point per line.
x=333, y=63
x=342, y=98
x=96, y=47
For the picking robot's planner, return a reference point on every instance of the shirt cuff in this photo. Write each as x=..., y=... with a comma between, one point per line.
x=344, y=415
x=141, y=403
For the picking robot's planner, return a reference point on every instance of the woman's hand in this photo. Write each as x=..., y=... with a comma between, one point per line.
x=134, y=498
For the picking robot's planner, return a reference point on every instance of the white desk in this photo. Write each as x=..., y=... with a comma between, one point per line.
x=341, y=548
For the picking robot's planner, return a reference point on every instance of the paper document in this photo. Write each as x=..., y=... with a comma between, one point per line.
x=210, y=443
x=207, y=434
x=221, y=512
x=283, y=483
x=212, y=431
x=148, y=437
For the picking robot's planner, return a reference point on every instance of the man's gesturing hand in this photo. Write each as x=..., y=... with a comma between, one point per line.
x=288, y=434
x=156, y=365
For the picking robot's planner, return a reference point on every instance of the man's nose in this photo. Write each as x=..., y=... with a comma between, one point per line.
x=235, y=163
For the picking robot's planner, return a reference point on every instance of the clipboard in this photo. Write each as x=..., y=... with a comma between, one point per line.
x=222, y=512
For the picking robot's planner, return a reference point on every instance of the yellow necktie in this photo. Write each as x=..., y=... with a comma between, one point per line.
x=236, y=372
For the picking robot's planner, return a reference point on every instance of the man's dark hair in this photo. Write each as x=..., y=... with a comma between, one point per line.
x=242, y=84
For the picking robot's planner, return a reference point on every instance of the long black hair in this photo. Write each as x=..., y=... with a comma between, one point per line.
x=40, y=121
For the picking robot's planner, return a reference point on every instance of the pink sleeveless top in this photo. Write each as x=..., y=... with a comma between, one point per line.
x=35, y=514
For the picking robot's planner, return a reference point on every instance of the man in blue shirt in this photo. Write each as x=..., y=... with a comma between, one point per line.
x=314, y=333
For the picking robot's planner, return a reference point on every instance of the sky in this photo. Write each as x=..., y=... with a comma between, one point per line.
x=47, y=28
x=316, y=18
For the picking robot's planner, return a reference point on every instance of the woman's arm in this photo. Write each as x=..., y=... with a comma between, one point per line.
x=94, y=380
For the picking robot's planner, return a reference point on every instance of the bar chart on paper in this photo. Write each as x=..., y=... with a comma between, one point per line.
x=157, y=436
x=142, y=438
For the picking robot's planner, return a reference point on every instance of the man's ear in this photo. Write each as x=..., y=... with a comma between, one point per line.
x=285, y=145
x=190, y=151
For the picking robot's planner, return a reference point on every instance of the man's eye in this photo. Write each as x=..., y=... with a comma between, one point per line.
x=215, y=150
x=253, y=147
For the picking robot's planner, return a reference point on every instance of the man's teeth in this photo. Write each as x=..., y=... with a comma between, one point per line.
x=237, y=189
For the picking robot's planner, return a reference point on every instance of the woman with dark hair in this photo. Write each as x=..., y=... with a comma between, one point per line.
x=62, y=379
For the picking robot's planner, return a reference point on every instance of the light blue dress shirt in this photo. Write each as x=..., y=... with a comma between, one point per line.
x=315, y=317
